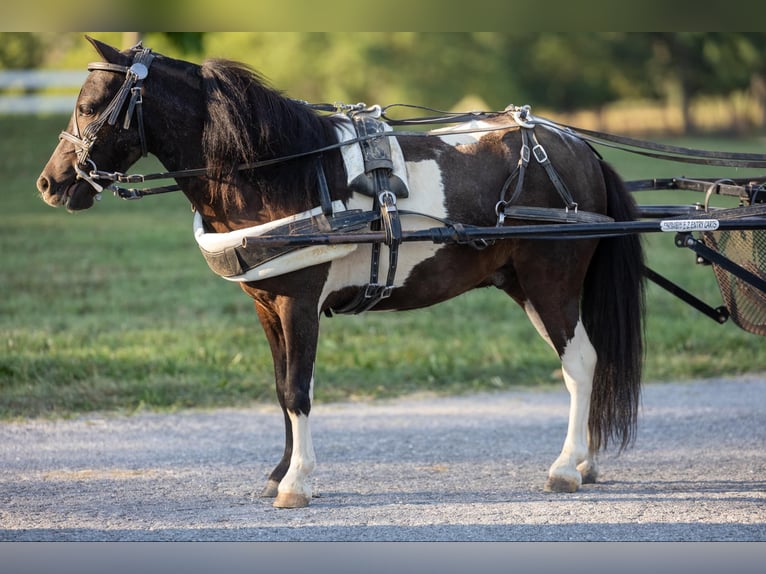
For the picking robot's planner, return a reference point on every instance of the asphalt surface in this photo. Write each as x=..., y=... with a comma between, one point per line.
x=416, y=469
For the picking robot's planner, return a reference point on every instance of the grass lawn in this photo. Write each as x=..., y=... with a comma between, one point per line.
x=114, y=309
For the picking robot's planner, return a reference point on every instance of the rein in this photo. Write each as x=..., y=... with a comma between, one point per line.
x=666, y=151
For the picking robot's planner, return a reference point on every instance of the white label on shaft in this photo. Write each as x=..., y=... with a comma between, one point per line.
x=689, y=225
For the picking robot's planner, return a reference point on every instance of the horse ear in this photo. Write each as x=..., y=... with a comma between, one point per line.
x=108, y=53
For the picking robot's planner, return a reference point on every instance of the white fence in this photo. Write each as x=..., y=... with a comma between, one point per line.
x=39, y=91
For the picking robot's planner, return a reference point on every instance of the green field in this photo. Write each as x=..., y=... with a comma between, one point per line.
x=114, y=309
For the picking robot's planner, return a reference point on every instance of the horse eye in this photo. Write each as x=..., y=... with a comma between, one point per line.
x=85, y=110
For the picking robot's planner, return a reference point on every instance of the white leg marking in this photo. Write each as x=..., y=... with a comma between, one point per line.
x=294, y=489
x=578, y=365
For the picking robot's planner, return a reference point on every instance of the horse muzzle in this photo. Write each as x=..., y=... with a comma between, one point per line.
x=75, y=195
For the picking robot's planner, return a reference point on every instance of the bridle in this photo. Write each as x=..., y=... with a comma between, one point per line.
x=135, y=74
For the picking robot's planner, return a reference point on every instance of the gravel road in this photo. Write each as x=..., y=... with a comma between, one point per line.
x=416, y=469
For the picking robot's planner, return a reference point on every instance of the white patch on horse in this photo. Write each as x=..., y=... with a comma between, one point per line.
x=461, y=134
x=311, y=389
x=537, y=322
x=578, y=363
x=303, y=458
x=426, y=196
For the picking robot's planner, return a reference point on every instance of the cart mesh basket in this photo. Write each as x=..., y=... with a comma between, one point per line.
x=747, y=249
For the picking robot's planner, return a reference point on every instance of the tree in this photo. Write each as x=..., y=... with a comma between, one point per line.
x=571, y=71
x=705, y=63
x=21, y=50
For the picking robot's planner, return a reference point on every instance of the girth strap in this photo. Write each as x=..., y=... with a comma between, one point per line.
x=374, y=292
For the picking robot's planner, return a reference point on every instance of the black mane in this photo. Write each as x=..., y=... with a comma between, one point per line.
x=247, y=120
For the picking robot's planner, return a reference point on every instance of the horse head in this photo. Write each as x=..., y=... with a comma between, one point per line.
x=213, y=117
x=105, y=130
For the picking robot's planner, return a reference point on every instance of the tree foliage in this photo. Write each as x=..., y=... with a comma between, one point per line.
x=21, y=50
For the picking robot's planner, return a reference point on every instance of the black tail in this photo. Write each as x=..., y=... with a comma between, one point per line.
x=613, y=314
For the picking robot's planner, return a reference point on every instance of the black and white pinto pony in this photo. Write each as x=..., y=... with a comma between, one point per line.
x=583, y=295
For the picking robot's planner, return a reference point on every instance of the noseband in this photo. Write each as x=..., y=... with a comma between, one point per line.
x=131, y=87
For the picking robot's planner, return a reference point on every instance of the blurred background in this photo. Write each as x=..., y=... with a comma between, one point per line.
x=629, y=82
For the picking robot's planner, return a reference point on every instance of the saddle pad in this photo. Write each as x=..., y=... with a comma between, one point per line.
x=352, y=153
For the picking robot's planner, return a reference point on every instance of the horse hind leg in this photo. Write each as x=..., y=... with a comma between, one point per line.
x=576, y=464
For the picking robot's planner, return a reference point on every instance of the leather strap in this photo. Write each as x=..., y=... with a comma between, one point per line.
x=530, y=146
x=374, y=292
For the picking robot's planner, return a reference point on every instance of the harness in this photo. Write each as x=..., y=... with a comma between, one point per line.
x=378, y=181
x=375, y=167
x=530, y=146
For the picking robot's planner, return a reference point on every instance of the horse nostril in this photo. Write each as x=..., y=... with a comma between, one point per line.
x=43, y=184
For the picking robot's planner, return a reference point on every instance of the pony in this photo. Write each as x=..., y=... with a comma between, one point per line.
x=250, y=159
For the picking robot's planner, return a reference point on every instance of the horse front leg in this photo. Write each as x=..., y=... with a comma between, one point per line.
x=292, y=330
x=294, y=490
x=272, y=485
x=272, y=326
